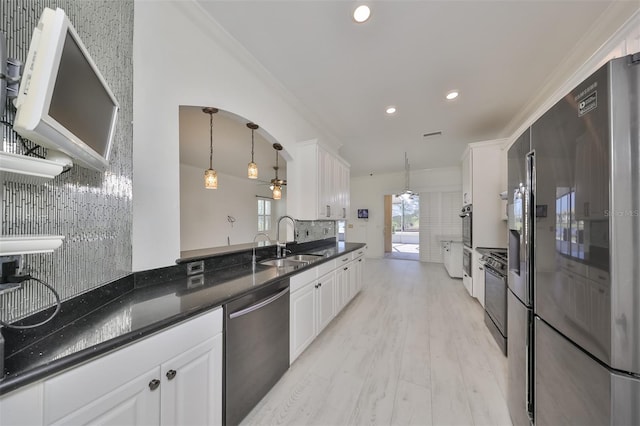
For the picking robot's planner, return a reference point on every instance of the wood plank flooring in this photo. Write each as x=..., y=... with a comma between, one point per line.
x=410, y=349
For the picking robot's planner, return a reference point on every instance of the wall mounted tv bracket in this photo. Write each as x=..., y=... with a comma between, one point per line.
x=10, y=74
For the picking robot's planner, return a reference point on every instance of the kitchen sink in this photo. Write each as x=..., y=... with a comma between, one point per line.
x=284, y=262
x=305, y=257
x=293, y=260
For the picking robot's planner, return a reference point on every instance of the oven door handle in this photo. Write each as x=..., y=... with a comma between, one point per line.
x=261, y=304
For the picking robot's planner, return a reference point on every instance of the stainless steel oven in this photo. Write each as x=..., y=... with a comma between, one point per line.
x=467, y=230
x=466, y=261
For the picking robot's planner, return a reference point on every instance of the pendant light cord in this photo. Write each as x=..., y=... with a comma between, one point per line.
x=211, y=140
x=252, y=145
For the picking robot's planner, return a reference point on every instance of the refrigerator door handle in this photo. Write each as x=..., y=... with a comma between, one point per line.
x=529, y=223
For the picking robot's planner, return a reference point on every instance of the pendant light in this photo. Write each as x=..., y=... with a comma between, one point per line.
x=210, y=175
x=407, y=192
x=277, y=184
x=252, y=170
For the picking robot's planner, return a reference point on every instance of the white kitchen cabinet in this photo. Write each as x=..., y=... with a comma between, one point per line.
x=320, y=182
x=478, y=277
x=482, y=182
x=134, y=385
x=452, y=257
x=302, y=319
x=343, y=282
x=325, y=300
x=467, y=177
x=22, y=407
x=312, y=307
x=133, y=403
x=359, y=271
x=191, y=391
x=314, y=302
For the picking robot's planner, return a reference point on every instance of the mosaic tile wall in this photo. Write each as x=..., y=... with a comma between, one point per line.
x=92, y=210
x=313, y=230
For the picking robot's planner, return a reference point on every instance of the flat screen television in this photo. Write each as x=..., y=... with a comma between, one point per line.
x=363, y=213
x=64, y=102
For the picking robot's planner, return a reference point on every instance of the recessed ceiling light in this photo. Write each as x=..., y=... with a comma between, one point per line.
x=361, y=13
x=391, y=110
x=452, y=94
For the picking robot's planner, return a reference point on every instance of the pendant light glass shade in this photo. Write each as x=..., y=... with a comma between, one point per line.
x=252, y=169
x=277, y=192
x=210, y=179
x=210, y=175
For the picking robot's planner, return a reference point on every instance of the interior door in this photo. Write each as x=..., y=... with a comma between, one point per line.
x=387, y=223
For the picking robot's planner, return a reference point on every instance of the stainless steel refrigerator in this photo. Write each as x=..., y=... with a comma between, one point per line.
x=574, y=257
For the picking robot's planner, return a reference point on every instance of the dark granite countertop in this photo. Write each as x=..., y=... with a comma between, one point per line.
x=122, y=312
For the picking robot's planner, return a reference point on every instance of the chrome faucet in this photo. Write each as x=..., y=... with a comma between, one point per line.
x=281, y=247
x=253, y=255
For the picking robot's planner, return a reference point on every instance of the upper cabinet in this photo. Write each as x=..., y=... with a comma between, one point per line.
x=482, y=183
x=466, y=178
x=320, y=184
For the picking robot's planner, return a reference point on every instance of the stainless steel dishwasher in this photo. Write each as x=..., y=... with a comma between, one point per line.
x=256, y=347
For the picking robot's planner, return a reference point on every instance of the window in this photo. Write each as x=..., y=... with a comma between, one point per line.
x=264, y=215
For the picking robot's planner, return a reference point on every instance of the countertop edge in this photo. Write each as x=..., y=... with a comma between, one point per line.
x=30, y=376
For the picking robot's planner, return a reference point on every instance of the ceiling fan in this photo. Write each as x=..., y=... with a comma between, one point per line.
x=276, y=181
x=407, y=193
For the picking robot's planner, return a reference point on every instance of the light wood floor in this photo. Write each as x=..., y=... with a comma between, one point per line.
x=411, y=348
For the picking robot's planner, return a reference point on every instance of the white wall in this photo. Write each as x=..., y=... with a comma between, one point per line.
x=204, y=222
x=368, y=193
x=181, y=57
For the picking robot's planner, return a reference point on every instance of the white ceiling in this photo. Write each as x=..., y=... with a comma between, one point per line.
x=505, y=57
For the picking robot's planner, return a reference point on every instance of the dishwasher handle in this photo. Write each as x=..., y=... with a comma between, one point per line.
x=259, y=305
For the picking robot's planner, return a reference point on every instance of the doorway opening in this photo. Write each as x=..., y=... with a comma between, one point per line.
x=402, y=226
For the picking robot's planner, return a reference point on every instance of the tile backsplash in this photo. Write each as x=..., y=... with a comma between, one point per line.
x=92, y=210
x=313, y=230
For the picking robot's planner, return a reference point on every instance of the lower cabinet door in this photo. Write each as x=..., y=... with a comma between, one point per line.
x=134, y=403
x=302, y=320
x=192, y=386
x=325, y=300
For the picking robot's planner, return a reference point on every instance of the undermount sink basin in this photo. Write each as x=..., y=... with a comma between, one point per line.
x=293, y=260
x=305, y=257
x=283, y=263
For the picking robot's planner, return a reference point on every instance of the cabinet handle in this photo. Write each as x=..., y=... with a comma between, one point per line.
x=316, y=286
x=154, y=384
x=319, y=284
x=480, y=268
x=171, y=374
x=359, y=260
x=344, y=213
x=345, y=259
x=328, y=210
x=346, y=269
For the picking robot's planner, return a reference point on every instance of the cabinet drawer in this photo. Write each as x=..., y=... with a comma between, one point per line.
x=342, y=260
x=358, y=253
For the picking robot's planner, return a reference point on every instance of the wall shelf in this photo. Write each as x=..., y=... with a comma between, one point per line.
x=29, y=244
x=17, y=167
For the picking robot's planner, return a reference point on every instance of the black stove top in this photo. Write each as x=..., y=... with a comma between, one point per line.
x=496, y=259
